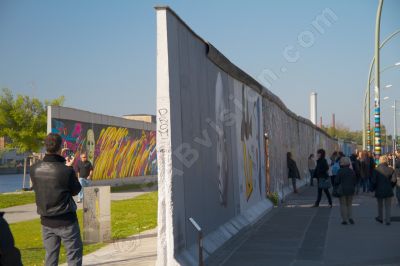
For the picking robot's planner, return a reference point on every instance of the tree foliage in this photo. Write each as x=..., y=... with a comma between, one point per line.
x=23, y=120
x=343, y=132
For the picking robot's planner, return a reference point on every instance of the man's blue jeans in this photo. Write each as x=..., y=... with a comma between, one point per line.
x=84, y=183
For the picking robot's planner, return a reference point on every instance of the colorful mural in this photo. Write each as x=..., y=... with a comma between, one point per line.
x=115, y=152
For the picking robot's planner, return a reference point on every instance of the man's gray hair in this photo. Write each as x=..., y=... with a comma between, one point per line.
x=345, y=161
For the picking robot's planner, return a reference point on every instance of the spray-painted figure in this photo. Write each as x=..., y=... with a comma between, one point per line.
x=90, y=145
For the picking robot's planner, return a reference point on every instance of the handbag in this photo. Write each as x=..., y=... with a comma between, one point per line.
x=324, y=183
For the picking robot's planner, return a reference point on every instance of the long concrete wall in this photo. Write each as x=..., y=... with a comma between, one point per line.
x=222, y=140
x=117, y=147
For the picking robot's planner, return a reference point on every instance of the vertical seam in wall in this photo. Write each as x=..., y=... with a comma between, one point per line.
x=184, y=225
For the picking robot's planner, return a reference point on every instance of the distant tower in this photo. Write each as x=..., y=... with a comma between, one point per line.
x=320, y=121
x=313, y=108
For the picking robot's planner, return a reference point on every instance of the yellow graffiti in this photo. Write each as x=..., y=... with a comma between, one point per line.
x=248, y=171
x=122, y=156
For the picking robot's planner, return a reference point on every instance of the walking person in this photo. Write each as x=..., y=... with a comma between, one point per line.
x=311, y=168
x=293, y=171
x=54, y=183
x=85, y=173
x=365, y=171
x=321, y=173
x=356, y=168
x=383, y=181
x=372, y=166
x=345, y=183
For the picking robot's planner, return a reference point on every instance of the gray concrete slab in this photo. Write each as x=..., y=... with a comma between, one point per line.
x=295, y=234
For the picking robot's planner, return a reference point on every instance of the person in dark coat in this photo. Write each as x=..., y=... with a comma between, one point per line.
x=321, y=174
x=356, y=168
x=345, y=183
x=293, y=171
x=365, y=171
x=383, y=181
x=9, y=254
x=372, y=166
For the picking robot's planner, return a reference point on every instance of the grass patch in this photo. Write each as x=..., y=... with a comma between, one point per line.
x=128, y=217
x=15, y=199
x=132, y=187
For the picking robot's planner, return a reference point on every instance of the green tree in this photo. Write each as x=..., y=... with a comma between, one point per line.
x=343, y=132
x=24, y=120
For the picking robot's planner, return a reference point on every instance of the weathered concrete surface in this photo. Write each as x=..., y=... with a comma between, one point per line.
x=96, y=214
x=213, y=124
x=295, y=234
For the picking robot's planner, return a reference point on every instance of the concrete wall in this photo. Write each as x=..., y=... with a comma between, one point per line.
x=211, y=121
x=117, y=147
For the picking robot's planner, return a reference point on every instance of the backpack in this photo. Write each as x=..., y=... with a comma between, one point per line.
x=335, y=168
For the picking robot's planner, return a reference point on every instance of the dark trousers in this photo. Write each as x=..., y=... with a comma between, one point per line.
x=327, y=193
x=311, y=177
x=71, y=238
x=365, y=184
x=398, y=194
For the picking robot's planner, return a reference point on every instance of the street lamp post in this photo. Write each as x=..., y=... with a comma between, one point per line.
x=377, y=117
x=367, y=101
x=394, y=134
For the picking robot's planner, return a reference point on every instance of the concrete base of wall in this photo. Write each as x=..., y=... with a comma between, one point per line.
x=125, y=181
x=213, y=241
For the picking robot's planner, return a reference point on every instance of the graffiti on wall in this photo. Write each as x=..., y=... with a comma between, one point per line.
x=115, y=152
x=222, y=162
x=249, y=132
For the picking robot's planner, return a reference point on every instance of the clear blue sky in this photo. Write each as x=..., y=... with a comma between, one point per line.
x=102, y=54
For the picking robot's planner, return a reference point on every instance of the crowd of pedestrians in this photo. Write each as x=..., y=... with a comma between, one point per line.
x=344, y=177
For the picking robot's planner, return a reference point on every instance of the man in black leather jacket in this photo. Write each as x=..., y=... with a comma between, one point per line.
x=54, y=184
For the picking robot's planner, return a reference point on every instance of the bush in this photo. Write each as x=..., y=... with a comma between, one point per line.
x=274, y=198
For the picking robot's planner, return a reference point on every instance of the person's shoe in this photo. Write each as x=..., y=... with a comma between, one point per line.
x=330, y=206
x=315, y=206
x=379, y=220
x=351, y=221
x=344, y=223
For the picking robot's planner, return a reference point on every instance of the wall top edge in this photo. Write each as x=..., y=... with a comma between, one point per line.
x=231, y=69
x=54, y=112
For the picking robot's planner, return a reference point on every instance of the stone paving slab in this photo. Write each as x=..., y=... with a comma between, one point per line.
x=138, y=250
x=294, y=234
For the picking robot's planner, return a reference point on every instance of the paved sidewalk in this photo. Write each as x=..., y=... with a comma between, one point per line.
x=138, y=250
x=296, y=234
x=28, y=211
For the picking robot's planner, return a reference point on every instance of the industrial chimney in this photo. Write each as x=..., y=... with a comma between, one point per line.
x=313, y=108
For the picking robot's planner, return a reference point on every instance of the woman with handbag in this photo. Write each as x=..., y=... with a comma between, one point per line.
x=321, y=174
x=344, y=189
x=383, y=181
